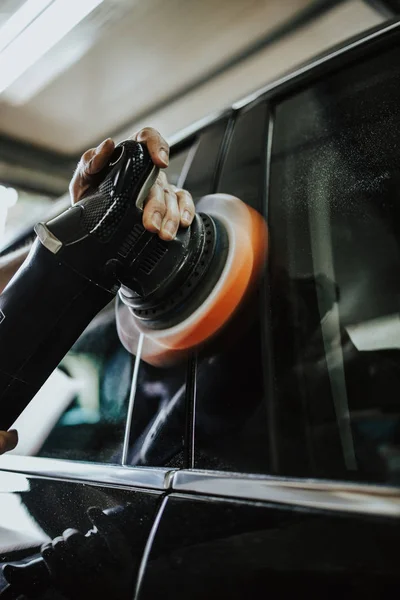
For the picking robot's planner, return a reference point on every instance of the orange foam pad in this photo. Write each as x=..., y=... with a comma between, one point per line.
x=247, y=251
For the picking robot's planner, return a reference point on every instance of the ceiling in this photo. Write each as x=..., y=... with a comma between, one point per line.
x=161, y=63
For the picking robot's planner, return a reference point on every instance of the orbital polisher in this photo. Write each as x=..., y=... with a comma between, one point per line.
x=172, y=296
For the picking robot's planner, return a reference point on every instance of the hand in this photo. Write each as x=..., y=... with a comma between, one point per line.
x=8, y=440
x=166, y=207
x=100, y=566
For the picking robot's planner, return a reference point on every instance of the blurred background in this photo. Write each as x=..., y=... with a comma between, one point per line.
x=73, y=72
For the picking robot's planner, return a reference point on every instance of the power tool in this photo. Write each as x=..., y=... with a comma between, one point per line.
x=175, y=294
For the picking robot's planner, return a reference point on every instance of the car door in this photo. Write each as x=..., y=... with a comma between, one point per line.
x=293, y=485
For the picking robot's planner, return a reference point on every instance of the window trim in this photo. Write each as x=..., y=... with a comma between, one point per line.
x=363, y=499
x=312, y=494
x=153, y=478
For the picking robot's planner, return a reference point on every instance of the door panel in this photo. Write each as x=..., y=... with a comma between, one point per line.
x=206, y=547
x=34, y=510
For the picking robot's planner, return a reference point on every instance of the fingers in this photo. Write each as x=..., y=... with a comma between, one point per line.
x=161, y=212
x=155, y=209
x=156, y=145
x=91, y=163
x=99, y=158
x=8, y=440
x=171, y=220
x=166, y=208
x=186, y=206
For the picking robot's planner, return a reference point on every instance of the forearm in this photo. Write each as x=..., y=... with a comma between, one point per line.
x=10, y=264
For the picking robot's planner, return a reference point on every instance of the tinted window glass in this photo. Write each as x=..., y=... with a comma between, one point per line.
x=230, y=416
x=80, y=412
x=201, y=175
x=176, y=164
x=158, y=426
x=335, y=259
x=241, y=174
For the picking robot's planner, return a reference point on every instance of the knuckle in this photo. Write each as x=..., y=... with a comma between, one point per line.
x=145, y=134
x=147, y=131
x=168, y=190
x=155, y=204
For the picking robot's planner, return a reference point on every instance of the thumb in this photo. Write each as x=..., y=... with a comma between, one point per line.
x=92, y=162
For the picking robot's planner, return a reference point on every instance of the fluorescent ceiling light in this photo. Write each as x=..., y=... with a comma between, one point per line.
x=21, y=19
x=40, y=36
x=67, y=52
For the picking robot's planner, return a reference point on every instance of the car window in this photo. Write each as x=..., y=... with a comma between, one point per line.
x=242, y=171
x=200, y=177
x=158, y=433
x=335, y=257
x=177, y=162
x=81, y=411
x=231, y=428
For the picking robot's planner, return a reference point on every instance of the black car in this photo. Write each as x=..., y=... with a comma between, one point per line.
x=270, y=467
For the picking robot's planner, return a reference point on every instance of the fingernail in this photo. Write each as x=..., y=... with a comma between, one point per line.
x=164, y=157
x=156, y=220
x=186, y=217
x=170, y=228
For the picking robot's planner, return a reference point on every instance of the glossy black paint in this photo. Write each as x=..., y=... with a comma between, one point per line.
x=47, y=508
x=212, y=548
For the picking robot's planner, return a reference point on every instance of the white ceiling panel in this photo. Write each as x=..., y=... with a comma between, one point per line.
x=128, y=56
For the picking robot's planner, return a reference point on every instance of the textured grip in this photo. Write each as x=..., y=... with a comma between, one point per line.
x=105, y=209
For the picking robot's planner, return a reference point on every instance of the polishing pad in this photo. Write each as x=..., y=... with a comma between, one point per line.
x=243, y=246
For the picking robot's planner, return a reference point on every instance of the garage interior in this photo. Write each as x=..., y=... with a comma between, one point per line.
x=132, y=63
